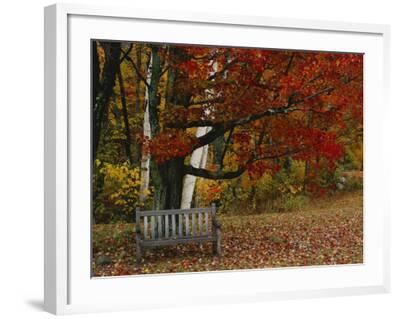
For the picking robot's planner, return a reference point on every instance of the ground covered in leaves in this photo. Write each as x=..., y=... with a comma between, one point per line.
x=329, y=231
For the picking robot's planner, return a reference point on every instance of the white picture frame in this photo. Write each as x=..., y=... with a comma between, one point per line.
x=67, y=29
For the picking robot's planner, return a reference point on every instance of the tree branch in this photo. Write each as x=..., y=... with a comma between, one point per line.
x=282, y=154
x=165, y=70
x=289, y=64
x=215, y=132
x=206, y=101
x=125, y=54
x=201, y=172
x=219, y=128
x=232, y=123
x=139, y=74
x=226, y=66
x=325, y=90
x=221, y=174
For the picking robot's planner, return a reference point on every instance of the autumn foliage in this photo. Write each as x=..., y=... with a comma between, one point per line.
x=276, y=130
x=278, y=103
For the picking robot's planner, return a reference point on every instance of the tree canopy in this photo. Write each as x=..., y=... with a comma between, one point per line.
x=259, y=108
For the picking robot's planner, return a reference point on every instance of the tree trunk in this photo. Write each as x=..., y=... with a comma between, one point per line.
x=138, y=106
x=169, y=176
x=138, y=80
x=204, y=155
x=145, y=161
x=153, y=96
x=103, y=88
x=171, y=173
x=95, y=72
x=198, y=160
x=151, y=127
x=128, y=138
x=307, y=168
x=218, y=149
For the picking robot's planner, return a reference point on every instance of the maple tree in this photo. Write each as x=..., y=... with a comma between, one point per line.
x=258, y=106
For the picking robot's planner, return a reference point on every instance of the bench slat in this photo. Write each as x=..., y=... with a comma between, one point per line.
x=145, y=227
x=193, y=224
x=158, y=231
x=200, y=224
x=153, y=227
x=159, y=226
x=180, y=226
x=166, y=228
x=187, y=230
x=173, y=225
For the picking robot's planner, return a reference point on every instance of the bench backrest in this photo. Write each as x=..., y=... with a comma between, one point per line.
x=176, y=223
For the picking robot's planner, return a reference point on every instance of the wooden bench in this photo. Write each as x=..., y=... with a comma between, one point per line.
x=177, y=226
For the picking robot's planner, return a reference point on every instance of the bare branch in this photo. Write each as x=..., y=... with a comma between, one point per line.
x=289, y=64
x=219, y=128
x=139, y=74
x=231, y=123
x=220, y=174
x=226, y=67
x=278, y=155
x=165, y=70
x=325, y=90
x=206, y=101
x=125, y=54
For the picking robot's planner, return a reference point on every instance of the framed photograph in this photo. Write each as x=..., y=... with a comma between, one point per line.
x=199, y=159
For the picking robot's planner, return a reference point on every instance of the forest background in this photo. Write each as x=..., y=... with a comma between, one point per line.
x=255, y=131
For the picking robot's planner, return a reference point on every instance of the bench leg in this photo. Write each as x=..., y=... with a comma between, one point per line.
x=138, y=252
x=217, y=243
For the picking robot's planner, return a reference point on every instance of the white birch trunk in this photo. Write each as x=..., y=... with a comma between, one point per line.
x=204, y=154
x=145, y=162
x=198, y=160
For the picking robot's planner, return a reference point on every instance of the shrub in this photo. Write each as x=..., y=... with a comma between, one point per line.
x=120, y=186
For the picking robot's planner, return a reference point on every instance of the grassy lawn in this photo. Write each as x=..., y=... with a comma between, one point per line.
x=329, y=231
